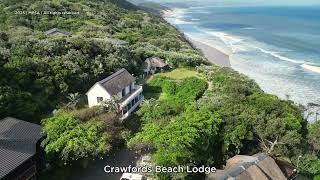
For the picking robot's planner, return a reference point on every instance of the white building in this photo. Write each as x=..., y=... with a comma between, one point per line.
x=120, y=85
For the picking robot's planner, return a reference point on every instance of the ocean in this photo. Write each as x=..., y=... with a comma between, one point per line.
x=278, y=47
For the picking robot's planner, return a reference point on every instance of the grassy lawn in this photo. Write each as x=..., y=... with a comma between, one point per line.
x=181, y=73
x=177, y=74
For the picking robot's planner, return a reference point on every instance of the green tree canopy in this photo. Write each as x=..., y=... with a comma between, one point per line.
x=187, y=138
x=314, y=137
x=72, y=140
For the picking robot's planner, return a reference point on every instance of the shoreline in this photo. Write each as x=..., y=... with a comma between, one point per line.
x=211, y=53
x=218, y=56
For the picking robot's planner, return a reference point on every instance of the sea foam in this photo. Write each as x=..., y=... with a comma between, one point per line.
x=237, y=45
x=275, y=54
x=233, y=42
x=311, y=68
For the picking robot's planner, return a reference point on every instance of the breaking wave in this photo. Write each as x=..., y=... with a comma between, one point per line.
x=275, y=54
x=237, y=45
x=311, y=68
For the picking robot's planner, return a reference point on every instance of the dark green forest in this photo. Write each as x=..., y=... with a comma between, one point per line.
x=38, y=71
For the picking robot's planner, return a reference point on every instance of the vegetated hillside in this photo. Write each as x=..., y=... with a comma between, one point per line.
x=182, y=126
x=38, y=71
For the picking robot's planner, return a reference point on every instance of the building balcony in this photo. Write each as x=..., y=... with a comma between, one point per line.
x=132, y=106
x=124, y=101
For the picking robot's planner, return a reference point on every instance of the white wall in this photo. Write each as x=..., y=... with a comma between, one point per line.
x=97, y=91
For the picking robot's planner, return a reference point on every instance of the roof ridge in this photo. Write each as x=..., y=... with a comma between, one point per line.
x=112, y=76
x=55, y=29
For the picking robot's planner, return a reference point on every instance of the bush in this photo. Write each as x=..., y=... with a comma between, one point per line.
x=72, y=140
x=190, y=89
x=169, y=88
x=86, y=114
x=309, y=164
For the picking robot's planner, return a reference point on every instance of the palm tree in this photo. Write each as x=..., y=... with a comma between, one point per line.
x=74, y=99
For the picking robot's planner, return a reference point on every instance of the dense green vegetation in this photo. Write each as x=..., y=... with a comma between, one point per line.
x=38, y=71
x=234, y=116
x=73, y=140
x=81, y=135
x=250, y=114
x=310, y=161
x=173, y=126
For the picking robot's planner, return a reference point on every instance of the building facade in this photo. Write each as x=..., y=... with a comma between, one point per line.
x=120, y=86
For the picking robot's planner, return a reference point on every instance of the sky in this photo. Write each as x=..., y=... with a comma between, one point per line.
x=253, y=2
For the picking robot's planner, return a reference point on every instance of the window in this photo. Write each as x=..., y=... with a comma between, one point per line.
x=99, y=99
x=130, y=88
x=123, y=92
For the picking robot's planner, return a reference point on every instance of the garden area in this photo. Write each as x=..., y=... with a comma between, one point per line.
x=152, y=90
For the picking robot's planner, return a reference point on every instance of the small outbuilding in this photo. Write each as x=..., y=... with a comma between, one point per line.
x=153, y=65
x=20, y=154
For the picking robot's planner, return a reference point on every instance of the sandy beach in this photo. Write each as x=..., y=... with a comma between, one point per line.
x=212, y=54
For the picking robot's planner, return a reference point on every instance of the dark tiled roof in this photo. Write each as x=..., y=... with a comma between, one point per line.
x=57, y=30
x=18, y=141
x=154, y=62
x=117, y=81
